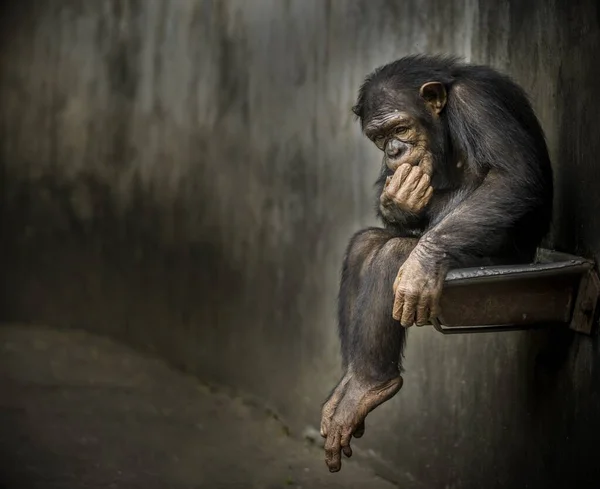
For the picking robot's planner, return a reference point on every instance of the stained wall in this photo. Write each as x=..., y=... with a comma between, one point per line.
x=184, y=175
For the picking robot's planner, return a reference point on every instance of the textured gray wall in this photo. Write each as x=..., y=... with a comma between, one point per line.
x=185, y=175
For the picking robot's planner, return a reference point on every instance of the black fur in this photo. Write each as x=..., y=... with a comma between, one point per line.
x=495, y=210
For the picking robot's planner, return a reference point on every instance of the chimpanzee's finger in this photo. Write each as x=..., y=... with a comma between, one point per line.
x=333, y=456
x=398, y=304
x=408, y=310
x=345, y=442
x=428, y=193
x=360, y=430
x=387, y=182
x=412, y=180
x=347, y=451
x=422, y=185
x=423, y=308
x=435, y=309
x=324, y=426
x=416, y=197
x=398, y=178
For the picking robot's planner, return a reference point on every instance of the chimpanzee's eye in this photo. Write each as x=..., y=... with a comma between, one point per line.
x=380, y=142
x=401, y=131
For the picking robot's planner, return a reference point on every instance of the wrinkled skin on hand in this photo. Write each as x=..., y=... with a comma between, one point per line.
x=418, y=288
x=409, y=188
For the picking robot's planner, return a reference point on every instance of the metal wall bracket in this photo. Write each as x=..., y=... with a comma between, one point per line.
x=556, y=289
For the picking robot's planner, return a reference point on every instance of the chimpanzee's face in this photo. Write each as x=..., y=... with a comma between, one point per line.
x=400, y=136
x=403, y=126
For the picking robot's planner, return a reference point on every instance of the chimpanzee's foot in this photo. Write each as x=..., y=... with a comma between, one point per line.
x=353, y=400
x=331, y=404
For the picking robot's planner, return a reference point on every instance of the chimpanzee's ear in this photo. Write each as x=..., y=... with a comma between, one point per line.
x=356, y=110
x=434, y=94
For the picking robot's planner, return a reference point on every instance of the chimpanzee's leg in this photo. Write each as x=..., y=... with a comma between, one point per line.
x=371, y=339
x=363, y=246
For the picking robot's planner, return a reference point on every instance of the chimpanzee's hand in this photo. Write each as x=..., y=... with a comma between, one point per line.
x=418, y=289
x=408, y=188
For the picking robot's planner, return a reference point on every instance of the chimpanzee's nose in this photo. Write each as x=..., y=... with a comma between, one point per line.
x=393, y=148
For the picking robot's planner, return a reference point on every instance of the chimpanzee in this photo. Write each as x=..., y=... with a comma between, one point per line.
x=465, y=181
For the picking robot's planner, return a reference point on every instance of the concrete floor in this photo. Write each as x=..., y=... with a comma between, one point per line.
x=79, y=411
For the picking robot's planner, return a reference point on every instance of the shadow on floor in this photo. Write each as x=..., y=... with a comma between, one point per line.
x=79, y=411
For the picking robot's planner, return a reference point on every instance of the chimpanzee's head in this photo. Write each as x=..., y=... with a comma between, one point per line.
x=400, y=107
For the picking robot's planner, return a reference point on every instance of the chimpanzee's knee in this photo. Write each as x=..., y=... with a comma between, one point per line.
x=377, y=245
x=395, y=251
x=364, y=246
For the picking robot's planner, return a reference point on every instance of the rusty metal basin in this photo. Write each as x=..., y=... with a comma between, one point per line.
x=556, y=288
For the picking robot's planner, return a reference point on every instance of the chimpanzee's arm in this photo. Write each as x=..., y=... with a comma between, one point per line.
x=476, y=228
x=482, y=223
x=493, y=124
x=503, y=144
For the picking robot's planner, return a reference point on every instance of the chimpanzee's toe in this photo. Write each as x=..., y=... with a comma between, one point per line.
x=360, y=430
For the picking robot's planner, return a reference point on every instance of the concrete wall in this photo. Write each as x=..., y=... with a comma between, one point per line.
x=185, y=174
